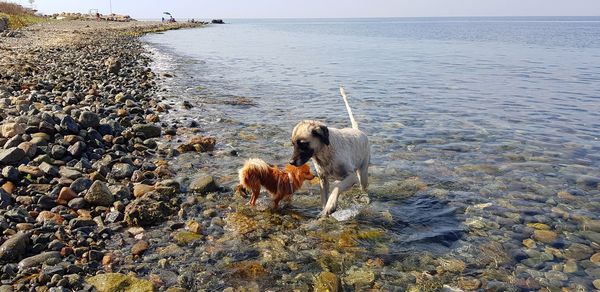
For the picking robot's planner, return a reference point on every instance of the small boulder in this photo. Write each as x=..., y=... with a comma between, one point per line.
x=99, y=195
x=122, y=170
x=203, y=185
x=141, y=189
x=11, y=155
x=10, y=130
x=149, y=210
x=14, y=247
x=38, y=260
x=89, y=119
x=139, y=248
x=149, y=130
x=65, y=195
x=48, y=169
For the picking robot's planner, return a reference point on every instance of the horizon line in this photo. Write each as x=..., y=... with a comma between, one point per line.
x=390, y=17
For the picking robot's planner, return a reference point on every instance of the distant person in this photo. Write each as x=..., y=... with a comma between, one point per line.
x=97, y=16
x=163, y=19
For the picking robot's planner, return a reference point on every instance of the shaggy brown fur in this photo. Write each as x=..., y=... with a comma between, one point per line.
x=256, y=173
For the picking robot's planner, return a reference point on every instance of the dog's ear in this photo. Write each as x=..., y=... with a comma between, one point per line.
x=322, y=133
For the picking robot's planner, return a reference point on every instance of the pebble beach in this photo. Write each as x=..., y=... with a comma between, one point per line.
x=113, y=179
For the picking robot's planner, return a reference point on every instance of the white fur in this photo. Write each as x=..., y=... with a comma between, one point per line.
x=346, y=158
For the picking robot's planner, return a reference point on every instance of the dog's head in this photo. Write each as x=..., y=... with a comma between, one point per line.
x=301, y=172
x=308, y=138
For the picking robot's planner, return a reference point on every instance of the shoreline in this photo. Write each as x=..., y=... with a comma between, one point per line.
x=81, y=157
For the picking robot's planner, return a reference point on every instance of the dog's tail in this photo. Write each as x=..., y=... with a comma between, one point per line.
x=252, y=170
x=352, y=120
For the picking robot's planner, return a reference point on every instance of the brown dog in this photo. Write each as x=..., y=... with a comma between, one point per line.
x=280, y=184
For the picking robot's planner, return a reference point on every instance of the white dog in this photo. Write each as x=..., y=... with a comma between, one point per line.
x=340, y=154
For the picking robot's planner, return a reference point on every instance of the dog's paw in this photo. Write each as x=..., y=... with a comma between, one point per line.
x=326, y=212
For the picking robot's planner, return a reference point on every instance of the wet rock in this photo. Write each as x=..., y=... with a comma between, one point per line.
x=11, y=155
x=327, y=281
x=37, y=260
x=203, y=185
x=14, y=247
x=451, y=265
x=198, y=144
x=545, y=236
x=346, y=214
x=119, y=282
x=359, y=277
x=139, y=248
x=185, y=237
x=596, y=284
x=194, y=226
x=148, y=210
x=248, y=269
x=149, y=130
x=240, y=223
x=99, y=195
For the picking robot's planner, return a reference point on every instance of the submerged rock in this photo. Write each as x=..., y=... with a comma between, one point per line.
x=185, y=237
x=119, y=282
x=545, y=236
x=327, y=281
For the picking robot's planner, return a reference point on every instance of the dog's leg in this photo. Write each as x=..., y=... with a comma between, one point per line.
x=343, y=186
x=255, y=194
x=324, y=183
x=363, y=177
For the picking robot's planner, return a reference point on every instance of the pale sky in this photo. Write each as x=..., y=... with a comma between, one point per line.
x=323, y=8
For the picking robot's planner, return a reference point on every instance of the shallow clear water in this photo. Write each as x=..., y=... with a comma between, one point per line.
x=498, y=113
